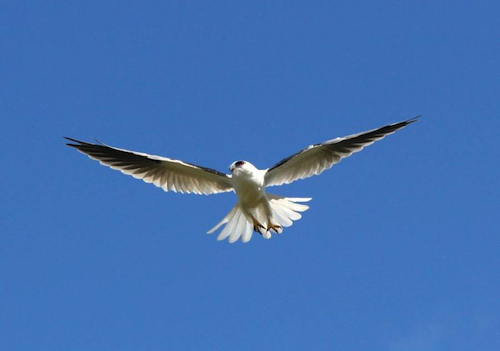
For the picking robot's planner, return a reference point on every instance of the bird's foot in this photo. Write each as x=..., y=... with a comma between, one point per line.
x=257, y=227
x=275, y=228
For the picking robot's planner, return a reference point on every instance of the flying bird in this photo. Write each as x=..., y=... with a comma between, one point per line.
x=256, y=210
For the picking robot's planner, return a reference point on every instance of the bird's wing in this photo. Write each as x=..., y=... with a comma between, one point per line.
x=163, y=172
x=319, y=157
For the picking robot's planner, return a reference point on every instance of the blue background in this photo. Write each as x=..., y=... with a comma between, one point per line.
x=400, y=249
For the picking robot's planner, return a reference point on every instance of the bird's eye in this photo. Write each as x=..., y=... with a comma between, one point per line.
x=239, y=163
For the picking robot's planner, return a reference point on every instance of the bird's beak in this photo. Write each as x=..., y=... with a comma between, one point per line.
x=231, y=169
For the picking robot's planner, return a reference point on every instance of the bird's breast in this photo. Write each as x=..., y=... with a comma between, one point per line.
x=249, y=188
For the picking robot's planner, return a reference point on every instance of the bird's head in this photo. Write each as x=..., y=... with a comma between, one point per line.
x=241, y=165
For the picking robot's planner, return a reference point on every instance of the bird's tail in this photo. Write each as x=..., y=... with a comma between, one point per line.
x=239, y=224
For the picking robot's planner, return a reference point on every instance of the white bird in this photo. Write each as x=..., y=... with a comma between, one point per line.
x=256, y=210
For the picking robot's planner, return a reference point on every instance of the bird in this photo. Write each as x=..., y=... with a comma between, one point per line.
x=256, y=211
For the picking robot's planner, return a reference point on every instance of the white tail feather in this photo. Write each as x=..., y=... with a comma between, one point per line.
x=232, y=220
x=224, y=220
x=239, y=225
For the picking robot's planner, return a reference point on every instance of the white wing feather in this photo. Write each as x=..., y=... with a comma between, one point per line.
x=168, y=174
x=319, y=157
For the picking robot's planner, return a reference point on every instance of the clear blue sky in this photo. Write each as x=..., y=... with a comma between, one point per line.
x=400, y=249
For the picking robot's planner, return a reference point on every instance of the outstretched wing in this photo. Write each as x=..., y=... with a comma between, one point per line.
x=163, y=172
x=319, y=157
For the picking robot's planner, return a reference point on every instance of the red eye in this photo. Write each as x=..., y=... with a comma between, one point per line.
x=239, y=163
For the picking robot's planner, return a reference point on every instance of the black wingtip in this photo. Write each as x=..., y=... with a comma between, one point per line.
x=74, y=141
x=403, y=124
x=79, y=142
x=413, y=120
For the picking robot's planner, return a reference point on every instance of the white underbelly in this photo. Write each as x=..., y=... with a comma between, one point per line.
x=249, y=192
